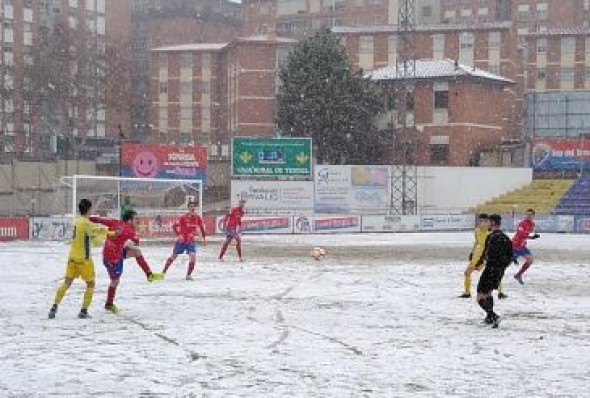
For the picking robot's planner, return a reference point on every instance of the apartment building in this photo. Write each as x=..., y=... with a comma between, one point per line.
x=528, y=15
x=293, y=18
x=159, y=23
x=29, y=129
x=204, y=94
x=558, y=59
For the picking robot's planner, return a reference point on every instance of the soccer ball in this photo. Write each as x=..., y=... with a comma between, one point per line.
x=317, y=253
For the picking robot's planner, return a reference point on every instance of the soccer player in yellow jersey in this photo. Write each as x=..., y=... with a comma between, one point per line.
x=80, y=263
x=481, y=233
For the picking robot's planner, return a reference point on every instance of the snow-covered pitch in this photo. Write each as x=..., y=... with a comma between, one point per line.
x=378, y=317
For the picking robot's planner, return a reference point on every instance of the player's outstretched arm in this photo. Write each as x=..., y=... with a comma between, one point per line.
x=534, y=236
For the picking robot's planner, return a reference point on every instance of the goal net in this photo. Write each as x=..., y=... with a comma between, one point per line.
x=158, y=202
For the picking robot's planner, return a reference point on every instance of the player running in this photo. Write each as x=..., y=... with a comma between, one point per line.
x=116, y=249
x=497, y=256
x=186, y=230
x=232, y=226
x=481, y=233
x=524, y=232
x=80, y=262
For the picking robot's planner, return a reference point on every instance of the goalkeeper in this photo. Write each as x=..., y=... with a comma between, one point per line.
x=116, y=250
x=186, y=230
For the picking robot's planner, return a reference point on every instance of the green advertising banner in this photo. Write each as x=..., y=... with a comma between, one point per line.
x=264, y=157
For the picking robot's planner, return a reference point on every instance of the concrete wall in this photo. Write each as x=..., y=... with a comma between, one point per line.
x=34, y=187
x=455, y=189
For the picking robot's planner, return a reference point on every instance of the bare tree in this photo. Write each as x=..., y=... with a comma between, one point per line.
x=75, y=78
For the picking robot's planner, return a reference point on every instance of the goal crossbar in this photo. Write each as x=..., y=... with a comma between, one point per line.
x=115, y=179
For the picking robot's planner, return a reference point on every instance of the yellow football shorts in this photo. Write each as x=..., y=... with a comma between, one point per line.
x=81, y=269
x=476, y=256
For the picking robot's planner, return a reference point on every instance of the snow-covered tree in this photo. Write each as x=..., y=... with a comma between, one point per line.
x=323, y=98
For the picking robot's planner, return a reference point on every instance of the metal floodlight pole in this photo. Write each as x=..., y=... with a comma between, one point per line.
x=404, y=186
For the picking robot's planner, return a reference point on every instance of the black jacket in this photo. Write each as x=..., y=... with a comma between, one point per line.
x=497, y=252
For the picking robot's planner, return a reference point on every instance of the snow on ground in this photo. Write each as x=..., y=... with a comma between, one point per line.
x=379, y=317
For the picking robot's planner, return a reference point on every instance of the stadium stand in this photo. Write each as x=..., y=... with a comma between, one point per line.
x=576, y=200
x=541, y=195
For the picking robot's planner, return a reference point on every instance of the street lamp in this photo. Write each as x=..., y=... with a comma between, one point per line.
x=121, y=137
x=33, y=208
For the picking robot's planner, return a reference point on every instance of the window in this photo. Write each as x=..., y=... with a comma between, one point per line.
x=163, y=88
x=392, y=44
x=541, y=45
x=541, y=73
x=186, y=61
x=186, y=113
x=441, y=99
x=568, y=44
x=163, y=113
x=567, y=74
x=186, y=88
x=427, y=11
x=205, y=87
x=466, y=41
x=206, y=61
x=439, y=154
x=523, y=12
x=185, y=137
x=282, y=55
x=495, y=39
x=588, y=73
x=542, y=12
x=482, y=15
x=163, y=61
x=495, y=69
x=438, y=43
x=366, y=44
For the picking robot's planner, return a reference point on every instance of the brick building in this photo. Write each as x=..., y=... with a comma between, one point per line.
x=527, y=15
x=25, y=131
x=206, y=93
x=159, y=23
x=489, y=46
x=295, y=17
x=459, y=111
x=557, y=59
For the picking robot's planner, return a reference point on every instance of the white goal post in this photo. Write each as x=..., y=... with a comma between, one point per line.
x=148, y=196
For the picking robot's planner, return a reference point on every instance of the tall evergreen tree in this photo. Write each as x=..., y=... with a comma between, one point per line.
x=322, y=98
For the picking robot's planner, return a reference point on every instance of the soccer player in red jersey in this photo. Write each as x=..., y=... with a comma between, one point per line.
x=232, y=226
x=524, y=232
x=186, y=230
x=116, y=250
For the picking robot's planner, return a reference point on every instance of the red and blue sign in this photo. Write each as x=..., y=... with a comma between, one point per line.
x=164, y=161
x=555, y=154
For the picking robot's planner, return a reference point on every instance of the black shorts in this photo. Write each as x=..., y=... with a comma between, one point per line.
x=490, y=279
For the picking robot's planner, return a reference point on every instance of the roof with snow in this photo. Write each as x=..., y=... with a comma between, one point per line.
x=437, y=69
x=272, y=38
x=193, y=47
x=422, y=28
x=561, y=31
